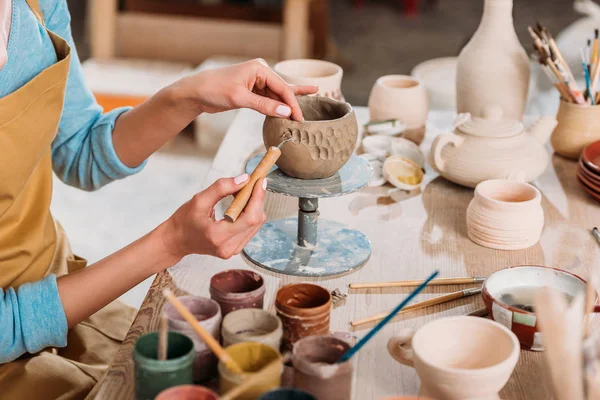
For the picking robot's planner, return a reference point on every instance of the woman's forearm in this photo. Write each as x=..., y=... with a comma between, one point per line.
x=90, y=289
x=143, y=130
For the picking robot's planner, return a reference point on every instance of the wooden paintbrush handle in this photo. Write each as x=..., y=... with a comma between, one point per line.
x=261, y=171
x=435, y=282
x=431, y=302
x=163, y=334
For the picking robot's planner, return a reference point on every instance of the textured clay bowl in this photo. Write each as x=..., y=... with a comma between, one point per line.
x=320, y=145
x=523, y=323
x=591, y=156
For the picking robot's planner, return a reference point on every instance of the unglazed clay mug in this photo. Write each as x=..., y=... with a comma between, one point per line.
x=316, y=369
x=324, y=74
x=401, y=97
x=208, y=314
x=235, y=289
x=505, y=214
x=458, y=358
x=304, y=310
x=578, y=126
x=252, y=325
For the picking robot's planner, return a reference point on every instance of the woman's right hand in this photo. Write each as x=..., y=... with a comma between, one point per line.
x=192, y=229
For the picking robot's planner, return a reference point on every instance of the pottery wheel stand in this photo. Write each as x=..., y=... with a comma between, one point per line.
x=307, y=245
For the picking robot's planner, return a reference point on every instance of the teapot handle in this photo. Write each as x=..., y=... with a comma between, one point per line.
x=400, y=347
x=439, y=144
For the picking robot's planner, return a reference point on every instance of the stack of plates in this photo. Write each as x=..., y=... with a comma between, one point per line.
x=589, y=169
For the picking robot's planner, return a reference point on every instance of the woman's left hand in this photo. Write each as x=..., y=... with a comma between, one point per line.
x=251, y=84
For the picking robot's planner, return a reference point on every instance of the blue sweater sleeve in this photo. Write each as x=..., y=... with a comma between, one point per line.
x=31, y=319
x=83, y=154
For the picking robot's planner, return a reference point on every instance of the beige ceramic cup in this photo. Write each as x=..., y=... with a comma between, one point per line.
x=578, y=126
x=324, y=74
x=459, y=358
x=251, y=325
x=400, y=97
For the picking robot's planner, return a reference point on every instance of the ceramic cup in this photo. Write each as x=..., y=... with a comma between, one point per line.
x=208, y=314
x=578, y=126
x=287, y=394
x=152, y=375
x=252, y=325
x=326, y=75
x=304, y=310
x=251, y=357
x=187, y=392
x=458, y=358
x=237, y=288
x=400, y=97
x=316, y=370
x=505, y=214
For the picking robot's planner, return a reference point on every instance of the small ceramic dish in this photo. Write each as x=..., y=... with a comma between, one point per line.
x=403, y=173
x=390, y=127
x=407, y=149
x=376, y=163
x=377, y=144
x=593, y=176
x=588, y=182
x=509, y=295
x=595, y=194
x=591, y=156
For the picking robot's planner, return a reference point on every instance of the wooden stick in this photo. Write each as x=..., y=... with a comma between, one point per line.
x=242, y=197
x=431, y=302
x=590, y=303
x=163, y=339
x=255, y=378
x=211, y=342
x=435, y=282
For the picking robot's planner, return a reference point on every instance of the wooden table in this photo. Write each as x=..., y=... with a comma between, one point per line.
x=410, y=236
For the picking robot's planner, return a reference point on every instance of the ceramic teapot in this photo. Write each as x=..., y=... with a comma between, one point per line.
x=491, y=147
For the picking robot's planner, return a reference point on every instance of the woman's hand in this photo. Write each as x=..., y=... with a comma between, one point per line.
x=194, y=230
x=251, y=84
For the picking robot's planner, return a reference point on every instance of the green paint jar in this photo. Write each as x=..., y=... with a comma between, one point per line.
x=152, y=375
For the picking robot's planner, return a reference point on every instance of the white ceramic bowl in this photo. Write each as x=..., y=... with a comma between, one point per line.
x=408, y=149
x=379, y=145
x=396, y=166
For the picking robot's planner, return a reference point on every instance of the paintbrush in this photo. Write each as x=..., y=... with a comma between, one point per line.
x=596, y=233
x=163, y=338
x=590, y=303
x=211, y=342
x=417, y=306
x=354, y=349
x=588, y=82
x=435, y=282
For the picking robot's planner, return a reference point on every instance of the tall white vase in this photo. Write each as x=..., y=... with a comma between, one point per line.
x=493, y=67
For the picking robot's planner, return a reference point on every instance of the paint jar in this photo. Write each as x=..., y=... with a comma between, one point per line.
x=208, y=314
x=304, y=310
x=236, y=289
x=251, y=357
x=316, y=369
x=287, y=394
x=252, y=325
x=152, y=375
x=187, y=392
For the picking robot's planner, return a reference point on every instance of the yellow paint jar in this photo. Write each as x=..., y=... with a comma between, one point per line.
x=251, y=357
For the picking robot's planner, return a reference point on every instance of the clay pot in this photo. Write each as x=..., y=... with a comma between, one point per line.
x=400, y=97
x=501, y=293
x=252, y=325
x=458, y=358
x=251, y=357
x=235, y=289
x=438, y=75
x=326, y=75
x=493, y=67
x=187, y=392
x=152, y=375
x=578, y=126
x=320, y=145
x=208, y=314
x=316, y=369
x=304, y=310
x=287, y=394
x=505, y=215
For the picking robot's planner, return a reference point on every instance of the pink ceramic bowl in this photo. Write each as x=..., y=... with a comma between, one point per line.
x=591, y=156
x=508, y=296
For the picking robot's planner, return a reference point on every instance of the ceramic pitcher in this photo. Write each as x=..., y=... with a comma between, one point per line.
x=493, y=67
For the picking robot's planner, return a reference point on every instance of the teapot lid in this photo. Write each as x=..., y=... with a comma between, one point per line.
x=492, y=124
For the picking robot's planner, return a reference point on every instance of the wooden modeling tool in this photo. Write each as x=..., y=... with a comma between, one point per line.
x=163, y=338
x=255, y=378
x=211, y=342
x=426, y=303
x=354, y=349
x=262, y=170
x=590, y=306
x=435, y=282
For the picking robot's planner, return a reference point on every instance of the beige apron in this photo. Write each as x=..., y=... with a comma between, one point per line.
x=33, y=245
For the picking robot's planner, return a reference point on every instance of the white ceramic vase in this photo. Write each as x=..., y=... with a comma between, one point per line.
x=505, y=215
x=400, y=97
x=493, y=67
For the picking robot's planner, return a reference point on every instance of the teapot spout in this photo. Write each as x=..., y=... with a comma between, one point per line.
x=542, y=128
